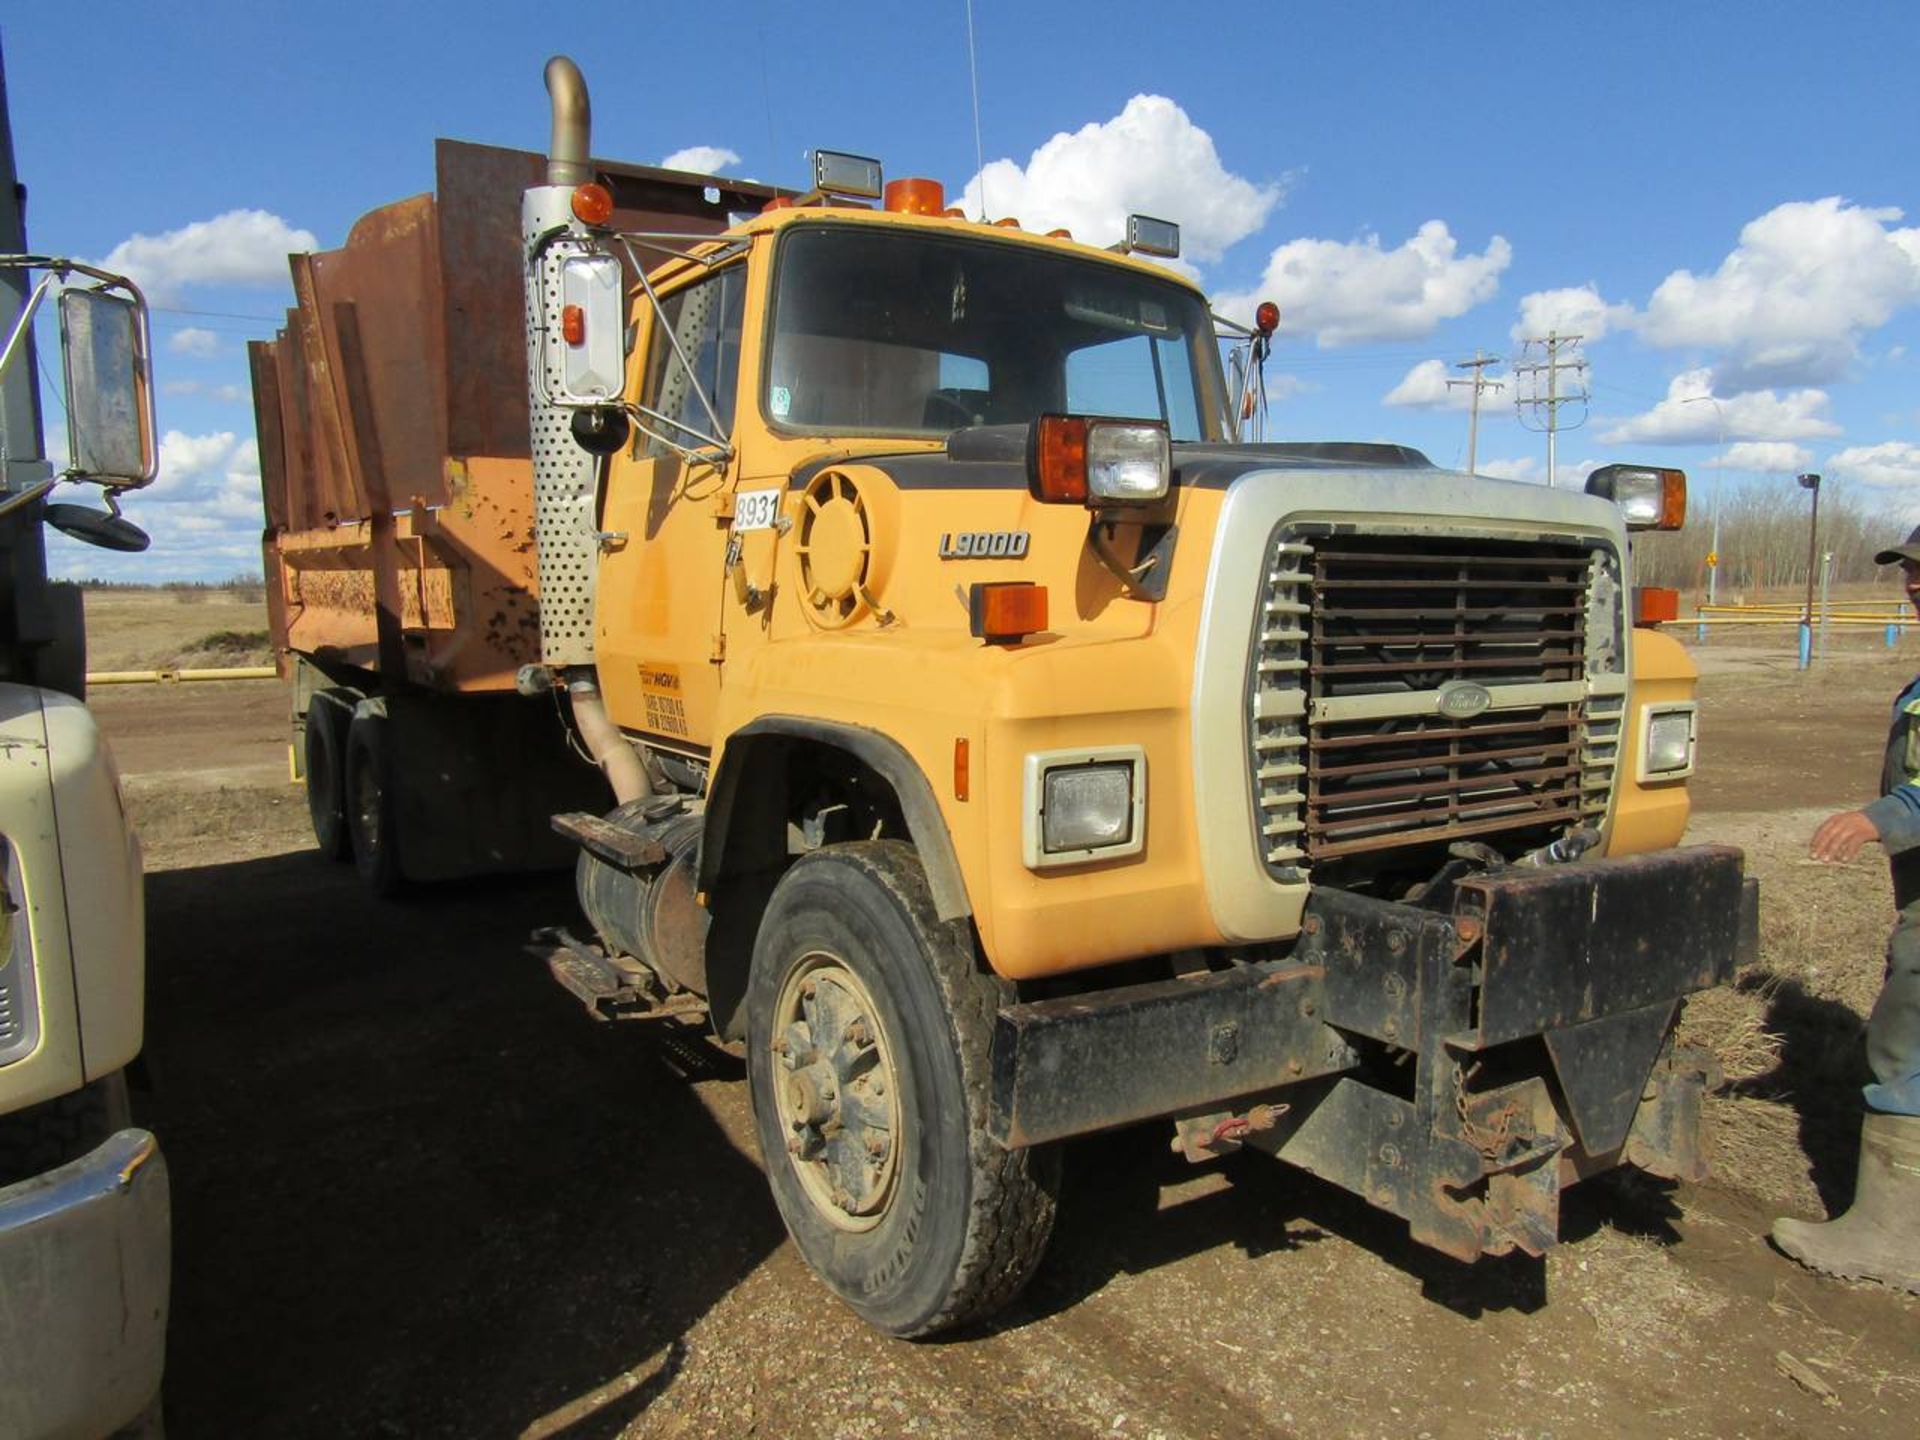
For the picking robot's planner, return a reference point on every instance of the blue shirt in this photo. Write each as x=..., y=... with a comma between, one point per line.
x=1896, y=814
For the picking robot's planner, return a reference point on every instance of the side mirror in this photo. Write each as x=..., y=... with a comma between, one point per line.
x=593, y=330
x=108, y=529
x=110, y=422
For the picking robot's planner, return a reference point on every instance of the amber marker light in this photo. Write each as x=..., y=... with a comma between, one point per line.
x=1655, y=605
x=1004, y=612
x=592, y=204
x=573, y=325
x=1266, y=318
x=962, y=770
x=915, y=196
x=1008, y=222
x=1060, y=459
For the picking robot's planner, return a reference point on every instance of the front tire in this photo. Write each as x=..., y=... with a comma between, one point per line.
x=869, y=1025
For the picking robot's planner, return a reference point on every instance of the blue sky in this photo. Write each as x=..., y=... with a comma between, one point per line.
x=1721, y=196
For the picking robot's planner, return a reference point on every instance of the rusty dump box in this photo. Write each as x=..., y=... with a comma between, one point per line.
x=392, y=416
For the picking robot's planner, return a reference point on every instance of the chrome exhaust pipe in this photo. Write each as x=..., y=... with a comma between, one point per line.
x=567, y=155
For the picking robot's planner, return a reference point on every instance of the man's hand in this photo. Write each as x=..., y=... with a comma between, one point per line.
x=1841, y=836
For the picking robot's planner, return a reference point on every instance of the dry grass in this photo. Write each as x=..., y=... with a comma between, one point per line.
x=1785, y=1124
x=152, y=629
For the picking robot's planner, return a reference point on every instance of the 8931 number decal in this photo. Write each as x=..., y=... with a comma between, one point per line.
x=755, y=509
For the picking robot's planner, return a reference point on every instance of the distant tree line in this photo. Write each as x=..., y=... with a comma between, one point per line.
x=1763, y=537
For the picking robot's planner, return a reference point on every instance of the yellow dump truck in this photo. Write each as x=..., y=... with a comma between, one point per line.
x=1003, y=745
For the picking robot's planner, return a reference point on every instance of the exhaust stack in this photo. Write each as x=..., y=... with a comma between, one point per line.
x=572, y=124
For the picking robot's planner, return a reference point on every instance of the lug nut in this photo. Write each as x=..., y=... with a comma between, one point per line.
x=794, y=1145
x=808, y=988
x=857, y=1033
x=876, y=1145
x=780, y=1046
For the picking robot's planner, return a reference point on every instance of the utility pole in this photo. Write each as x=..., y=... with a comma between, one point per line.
x=1479, y=382
x=1542, y=412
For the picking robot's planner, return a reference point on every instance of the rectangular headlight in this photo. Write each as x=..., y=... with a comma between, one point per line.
x=1127, y=463
x=1667, y=742
x=1084, y=805
x=1649, y=498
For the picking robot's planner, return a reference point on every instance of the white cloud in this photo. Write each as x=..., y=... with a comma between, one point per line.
x=1527, y=467
x=1790, y=303
x=1755, y=415
x=701, y=159
x=1892, y=465
x=1775, y=457
x=1344, y=292
x=203, y=512
x=241, y=247
x=1426, y=387
x=1578, y=310
x=195, y=342
x=1150, y=159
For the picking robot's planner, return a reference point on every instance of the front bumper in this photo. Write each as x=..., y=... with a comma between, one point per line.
x=84, y=1267
x=1536, y=1008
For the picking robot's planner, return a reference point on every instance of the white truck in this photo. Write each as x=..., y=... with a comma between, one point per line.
x=84, y=1205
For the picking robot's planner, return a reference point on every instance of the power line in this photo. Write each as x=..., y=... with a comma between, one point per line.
x=1532, y=407
x=1478, y=365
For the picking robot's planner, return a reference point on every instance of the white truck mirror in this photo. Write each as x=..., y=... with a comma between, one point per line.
x=103, y=340
x=593, y=325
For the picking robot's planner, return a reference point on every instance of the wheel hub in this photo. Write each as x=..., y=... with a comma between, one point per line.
x=835, y=1092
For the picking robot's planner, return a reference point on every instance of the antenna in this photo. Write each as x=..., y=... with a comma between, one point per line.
x=1555, y=397
x=979, y=150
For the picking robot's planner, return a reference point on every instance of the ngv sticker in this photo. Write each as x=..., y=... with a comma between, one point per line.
x=983, y=545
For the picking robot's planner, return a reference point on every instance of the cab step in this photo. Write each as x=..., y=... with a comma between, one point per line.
x=610, y=987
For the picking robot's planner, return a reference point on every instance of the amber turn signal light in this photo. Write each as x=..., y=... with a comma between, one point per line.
x=1655, y=605
x=1650, y=498
x=573, y=324
x=1005, y=611
x=1060, y=459
x=592, y=204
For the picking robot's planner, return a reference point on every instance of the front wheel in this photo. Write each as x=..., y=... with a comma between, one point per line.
x=869, y=1026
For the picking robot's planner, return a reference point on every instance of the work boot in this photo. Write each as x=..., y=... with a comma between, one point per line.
x=1879, y=1236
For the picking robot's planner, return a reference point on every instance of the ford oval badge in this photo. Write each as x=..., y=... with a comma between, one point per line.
x=1462, y=699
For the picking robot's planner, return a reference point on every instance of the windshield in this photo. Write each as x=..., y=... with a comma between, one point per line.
x=898, y=332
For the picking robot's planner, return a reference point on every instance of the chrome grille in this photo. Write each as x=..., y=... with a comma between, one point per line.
x=1278, y=722
x=1359, y=633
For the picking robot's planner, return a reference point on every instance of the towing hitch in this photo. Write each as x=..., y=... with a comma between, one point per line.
x=1458, y=1068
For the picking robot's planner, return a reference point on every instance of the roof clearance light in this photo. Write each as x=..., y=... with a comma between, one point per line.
x=1009, y=222
x=592, y=204
x=1059, y=234
x=837, y=174
x=1649, y=498
x=1148, y=236
x=1075, y=460
x=915, y=197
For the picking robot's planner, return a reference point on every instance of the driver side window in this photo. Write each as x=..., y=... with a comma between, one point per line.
x=705, y=319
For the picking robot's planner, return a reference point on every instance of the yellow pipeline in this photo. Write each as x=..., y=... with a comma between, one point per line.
x=171, y=677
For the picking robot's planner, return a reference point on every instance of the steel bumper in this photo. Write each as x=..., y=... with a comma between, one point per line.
x=1536, y=1007
x=84, y=1266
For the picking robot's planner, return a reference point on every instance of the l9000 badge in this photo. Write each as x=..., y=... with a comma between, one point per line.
x=983, y=545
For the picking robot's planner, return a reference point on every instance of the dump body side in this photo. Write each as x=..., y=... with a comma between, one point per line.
x=392, y=416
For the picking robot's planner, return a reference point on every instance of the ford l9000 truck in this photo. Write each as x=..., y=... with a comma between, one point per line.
x=1000, y=741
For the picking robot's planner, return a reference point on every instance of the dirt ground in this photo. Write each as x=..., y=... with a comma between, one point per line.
x=417, y=1193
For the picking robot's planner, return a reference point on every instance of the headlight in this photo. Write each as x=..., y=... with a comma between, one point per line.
x=1667, y=742
x=1649, y=498
x=1084, y=805
x=1127, y=463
